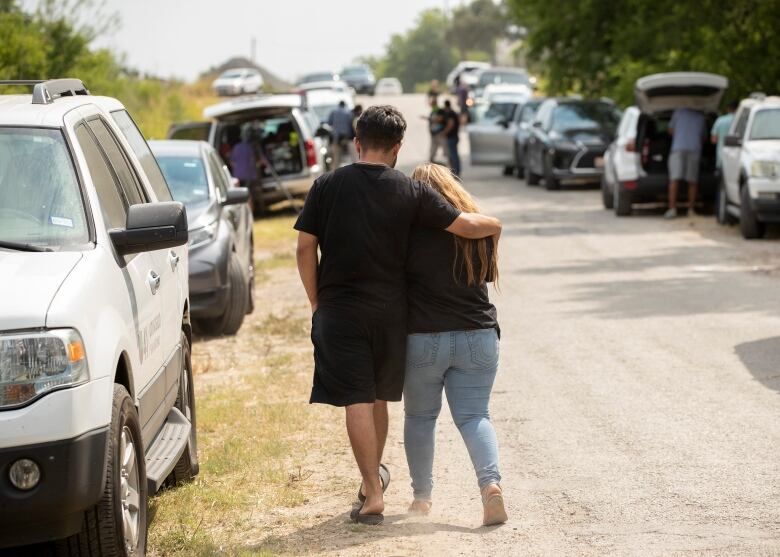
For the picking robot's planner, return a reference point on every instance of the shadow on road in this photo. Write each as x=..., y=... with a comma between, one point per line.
x=761, y=358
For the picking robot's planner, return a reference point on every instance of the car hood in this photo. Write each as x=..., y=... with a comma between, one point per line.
x=30, y=281
x=764, y=149
x=663, y=92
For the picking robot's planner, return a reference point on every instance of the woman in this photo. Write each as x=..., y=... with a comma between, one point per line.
x=452, y=346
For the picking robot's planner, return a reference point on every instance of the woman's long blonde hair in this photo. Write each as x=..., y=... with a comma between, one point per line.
x=443, y=181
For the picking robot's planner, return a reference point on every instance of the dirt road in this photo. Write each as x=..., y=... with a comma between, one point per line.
x=637, y=404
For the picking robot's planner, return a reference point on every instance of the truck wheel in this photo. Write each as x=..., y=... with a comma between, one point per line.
x=230, y=322
x=621, y=202
x=116, y=526
x=722, y=206
x=751, y=227
x=607, y=197
x=531, y=179
x=187, y=466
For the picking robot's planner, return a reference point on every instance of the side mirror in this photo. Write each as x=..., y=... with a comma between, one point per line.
x=151, y=226
x=236, y=196
x=732, y=141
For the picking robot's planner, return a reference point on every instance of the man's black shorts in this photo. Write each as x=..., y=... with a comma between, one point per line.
x=357, y=358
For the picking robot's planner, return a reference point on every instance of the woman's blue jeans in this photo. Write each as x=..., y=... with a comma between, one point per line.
x=464, y=364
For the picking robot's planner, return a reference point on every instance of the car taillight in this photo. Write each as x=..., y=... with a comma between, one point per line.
x=631, y=185
x=311, y=154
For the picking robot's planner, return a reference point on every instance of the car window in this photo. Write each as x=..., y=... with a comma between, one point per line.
x=741, y=122
x=528, y=112
x=499, y=111
x=186, y=175
x=218, y=176
x=498, y=78
x=40, y=198
x=766, y=124
x=145, y=157
x=112, y=204
x=584, y=116
x=128, y=181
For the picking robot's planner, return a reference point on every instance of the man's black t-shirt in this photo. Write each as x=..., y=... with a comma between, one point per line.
x=452, y=116
x=362, y=215
x=437, y=301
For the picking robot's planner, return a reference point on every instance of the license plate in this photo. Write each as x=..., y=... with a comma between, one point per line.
x=598, y=162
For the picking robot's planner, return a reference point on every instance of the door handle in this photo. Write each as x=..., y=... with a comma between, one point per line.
x=173, y=257
x=154, y=281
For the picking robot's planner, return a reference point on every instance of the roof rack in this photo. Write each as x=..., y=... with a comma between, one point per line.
x=47, y=91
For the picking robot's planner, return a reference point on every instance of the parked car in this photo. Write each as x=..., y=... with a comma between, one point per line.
x=567, y=141
x=636, y=163
x=320, y=104
x=500, y=76
x=238, y=81
x=524, y=116
x=281, y=129
x=492, y=134
x=96, y=403
x=749, y=189
x=388, y=86
x=467, y=71
x=360, y=78
x=222, y=271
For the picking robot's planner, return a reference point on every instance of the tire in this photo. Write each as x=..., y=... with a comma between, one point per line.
x=251, y=288
x=531, y=179
x=230, y=322
x=607, y=197
x=258, y=205
x=550, y=183
x=749, y=224
x=102, y=533
x=722, y=214
x=519, y=163
x=509, y=170
x=621, y=202
x=187, y=466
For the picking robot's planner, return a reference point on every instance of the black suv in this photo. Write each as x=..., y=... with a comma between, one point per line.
x=360, y=79
x=567, y=141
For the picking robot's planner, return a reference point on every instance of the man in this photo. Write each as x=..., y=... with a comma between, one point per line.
x=436, y=129
x=451, y=129
x=433, y=92
x=687, y=128
x=719, y=130
x=340, y=121
x=360, y=217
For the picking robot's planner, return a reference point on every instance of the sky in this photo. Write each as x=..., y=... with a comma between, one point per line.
x=171, y=38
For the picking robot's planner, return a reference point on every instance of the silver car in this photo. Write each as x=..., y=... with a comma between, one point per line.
x=492, y=135
x=288, y=157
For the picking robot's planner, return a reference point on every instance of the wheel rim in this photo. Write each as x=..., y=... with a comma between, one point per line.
x=130, y=494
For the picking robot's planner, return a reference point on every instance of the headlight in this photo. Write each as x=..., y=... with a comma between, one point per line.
x=764, y=169
x=32, y=364
x=203, y=235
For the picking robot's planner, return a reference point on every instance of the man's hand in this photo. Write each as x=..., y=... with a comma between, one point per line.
x=306, y=255
x=475, y=226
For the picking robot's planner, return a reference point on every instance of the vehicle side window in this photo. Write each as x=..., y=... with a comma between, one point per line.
x=127, y=178
x=527, y=114
x=112, y=204
x=218, y=175
x=145, y=157
x=741, y=124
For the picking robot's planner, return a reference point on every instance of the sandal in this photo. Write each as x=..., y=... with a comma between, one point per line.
x=493, y=505
x=384, y=478
x=421, y=507
x=368, y=519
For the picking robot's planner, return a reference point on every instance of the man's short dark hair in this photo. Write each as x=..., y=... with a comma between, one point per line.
x=380, y=127
x=342, y=104
x=733, y=105
x=447, y=104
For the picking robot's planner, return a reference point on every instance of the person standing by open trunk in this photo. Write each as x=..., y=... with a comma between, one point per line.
x=687, y=128
x=360, y=217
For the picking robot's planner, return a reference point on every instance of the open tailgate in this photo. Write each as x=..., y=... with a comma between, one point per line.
x=664, y=92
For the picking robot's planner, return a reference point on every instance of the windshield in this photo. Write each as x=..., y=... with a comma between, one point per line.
x=40, y=199
x=186, y=176
x=232, y=74
x=499, y=111
x=354, y=72
x=585, y=116
x=498, y=78
x=313, y=77
x=766, y=124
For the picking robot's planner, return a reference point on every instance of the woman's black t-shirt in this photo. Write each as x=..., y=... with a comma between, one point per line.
x=436, y=301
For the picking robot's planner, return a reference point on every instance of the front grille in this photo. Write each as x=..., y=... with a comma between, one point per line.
x=588, y=159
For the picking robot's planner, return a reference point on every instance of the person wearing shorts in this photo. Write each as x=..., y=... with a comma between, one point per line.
x=360, y=219
x=687, y=128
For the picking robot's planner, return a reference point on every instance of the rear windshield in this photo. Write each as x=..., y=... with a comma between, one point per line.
x=40, y=198
x=766, y=124
x=186, y=176
x=585, y=116
x=498, y=78
x=355, y=72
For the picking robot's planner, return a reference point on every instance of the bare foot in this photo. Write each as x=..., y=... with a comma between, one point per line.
x=373, y=505
x=493, y=504
x=420, y=507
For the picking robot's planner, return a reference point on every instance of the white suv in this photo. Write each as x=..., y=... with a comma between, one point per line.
x=750, y=185
x=96, y=401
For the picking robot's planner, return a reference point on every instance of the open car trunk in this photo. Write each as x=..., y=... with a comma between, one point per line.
x=664, y=92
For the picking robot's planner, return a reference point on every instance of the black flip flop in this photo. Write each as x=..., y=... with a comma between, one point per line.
x=368, y=519
x=384, y=478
